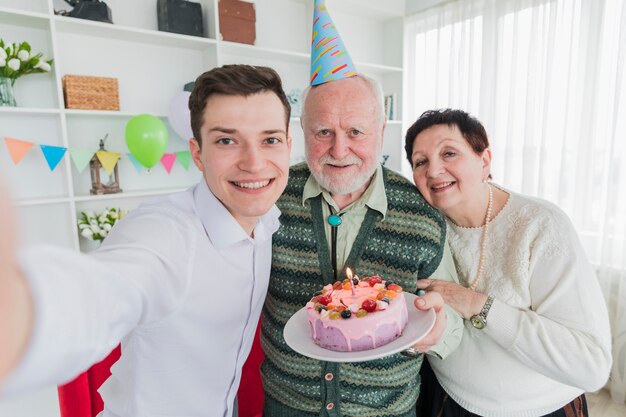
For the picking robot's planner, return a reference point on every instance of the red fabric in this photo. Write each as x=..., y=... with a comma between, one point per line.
x=250, y=394
x=80, y=398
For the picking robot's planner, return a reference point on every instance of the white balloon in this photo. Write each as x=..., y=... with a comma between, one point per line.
x=179, y=117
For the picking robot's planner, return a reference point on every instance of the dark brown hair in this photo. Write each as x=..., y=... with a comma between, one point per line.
x=233, y=80
x=471, y=128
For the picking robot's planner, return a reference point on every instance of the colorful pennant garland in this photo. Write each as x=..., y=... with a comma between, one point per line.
x=53, y=154
x=167, y=160
x=80, y=158
x=135, y=162
x=17, y=149
x=108, y=160
x=184, y=158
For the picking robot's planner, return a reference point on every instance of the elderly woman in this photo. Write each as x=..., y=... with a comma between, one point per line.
x=536, y=332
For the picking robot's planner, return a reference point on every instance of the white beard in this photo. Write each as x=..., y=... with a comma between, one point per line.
x=345, y=184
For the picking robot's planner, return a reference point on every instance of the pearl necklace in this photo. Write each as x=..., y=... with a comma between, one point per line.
x=483, y=243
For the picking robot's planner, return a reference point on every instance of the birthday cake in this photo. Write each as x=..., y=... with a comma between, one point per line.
x=361, y=315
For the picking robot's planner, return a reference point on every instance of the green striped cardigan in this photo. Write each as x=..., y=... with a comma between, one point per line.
x=406, y=245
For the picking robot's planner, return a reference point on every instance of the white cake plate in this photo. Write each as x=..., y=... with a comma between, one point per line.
x=297, y=334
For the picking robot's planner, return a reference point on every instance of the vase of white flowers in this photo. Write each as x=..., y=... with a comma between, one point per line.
x=96, y=226
x=16, y=60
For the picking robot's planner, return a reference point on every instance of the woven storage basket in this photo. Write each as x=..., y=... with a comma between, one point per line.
x=90, y=93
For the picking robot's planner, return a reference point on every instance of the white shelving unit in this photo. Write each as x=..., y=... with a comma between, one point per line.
x=151, y=66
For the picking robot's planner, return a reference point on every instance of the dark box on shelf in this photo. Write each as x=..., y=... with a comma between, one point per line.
x=180, y=16
x=237, y=21
x=90, y=93
x=92, y=10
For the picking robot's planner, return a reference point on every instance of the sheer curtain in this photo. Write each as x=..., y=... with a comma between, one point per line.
x=548, y=80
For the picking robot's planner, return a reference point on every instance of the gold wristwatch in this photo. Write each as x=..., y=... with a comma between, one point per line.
x=480, y=320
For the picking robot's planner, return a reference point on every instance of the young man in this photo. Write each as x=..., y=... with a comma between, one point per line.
x=180, y=280
x=387, y=229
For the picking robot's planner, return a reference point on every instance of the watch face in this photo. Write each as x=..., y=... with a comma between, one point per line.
x=478, y=322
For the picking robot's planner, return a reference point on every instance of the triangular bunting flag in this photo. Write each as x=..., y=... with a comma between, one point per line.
x=17, y=148
x=108, y=160
x=329, y=57
x=80, y=158
x=53, y=155
x=184, y=158
x=135, y=162
x=167, y=160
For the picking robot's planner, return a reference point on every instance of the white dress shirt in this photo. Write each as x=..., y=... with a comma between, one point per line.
x=178, y=282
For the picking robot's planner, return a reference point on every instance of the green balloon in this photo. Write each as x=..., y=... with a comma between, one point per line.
x=146, y=138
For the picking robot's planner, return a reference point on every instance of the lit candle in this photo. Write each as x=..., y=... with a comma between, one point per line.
x=349, y=275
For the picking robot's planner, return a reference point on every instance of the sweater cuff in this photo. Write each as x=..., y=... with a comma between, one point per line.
x=502, y=323
x=451, y=337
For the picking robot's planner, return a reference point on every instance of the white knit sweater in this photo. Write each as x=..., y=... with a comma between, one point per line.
x=547, y=338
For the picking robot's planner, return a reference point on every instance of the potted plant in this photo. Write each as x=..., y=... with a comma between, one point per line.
x=16, y=60
x=96, y=226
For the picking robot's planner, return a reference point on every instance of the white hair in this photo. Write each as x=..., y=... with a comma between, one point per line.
x=374, y=87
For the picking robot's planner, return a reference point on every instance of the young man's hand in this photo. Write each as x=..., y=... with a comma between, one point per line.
x=15, y=303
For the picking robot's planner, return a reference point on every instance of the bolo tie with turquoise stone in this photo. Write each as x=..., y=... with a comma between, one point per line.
x=334, y=220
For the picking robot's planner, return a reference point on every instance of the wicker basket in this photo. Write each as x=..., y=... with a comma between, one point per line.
x=90, y=93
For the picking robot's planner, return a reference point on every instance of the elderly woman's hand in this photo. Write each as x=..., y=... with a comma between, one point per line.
x=465, y=301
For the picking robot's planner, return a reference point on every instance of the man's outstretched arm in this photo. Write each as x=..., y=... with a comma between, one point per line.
x=16, y=308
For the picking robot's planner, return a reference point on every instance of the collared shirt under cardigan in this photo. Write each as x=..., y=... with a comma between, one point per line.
x=353, y=215
x=179, y=282
x=375, y=198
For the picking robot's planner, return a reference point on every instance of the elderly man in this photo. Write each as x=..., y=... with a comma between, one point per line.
x=387, y=229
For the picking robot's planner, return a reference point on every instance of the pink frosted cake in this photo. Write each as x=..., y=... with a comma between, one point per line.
x=374, y=316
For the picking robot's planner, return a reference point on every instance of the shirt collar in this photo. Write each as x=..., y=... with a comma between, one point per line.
x=222, y=228
x=374, y=196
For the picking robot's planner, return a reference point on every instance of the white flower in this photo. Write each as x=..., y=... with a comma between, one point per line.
x=45, y=66
x=96, y=226
x=3, y=62
x=14, y=64
x=3, y=54
x=23, y=55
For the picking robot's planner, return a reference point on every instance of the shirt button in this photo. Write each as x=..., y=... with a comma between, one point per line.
x=330, y=406
x=329, y=376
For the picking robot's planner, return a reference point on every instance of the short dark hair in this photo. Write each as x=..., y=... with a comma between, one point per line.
x=471, y=128
x=234, y=80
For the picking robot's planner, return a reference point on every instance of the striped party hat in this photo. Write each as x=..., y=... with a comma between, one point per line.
x=330, y=60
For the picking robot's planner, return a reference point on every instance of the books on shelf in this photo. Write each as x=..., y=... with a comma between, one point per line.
x=390, y=107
